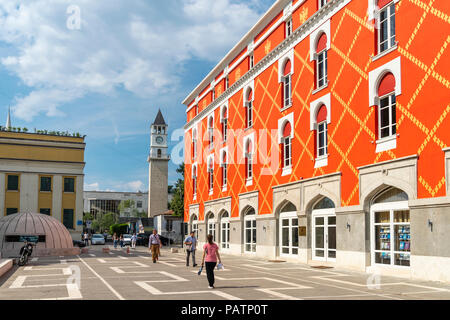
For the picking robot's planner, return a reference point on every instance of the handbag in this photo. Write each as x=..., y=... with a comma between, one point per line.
x=188, y=247
x=200, y=271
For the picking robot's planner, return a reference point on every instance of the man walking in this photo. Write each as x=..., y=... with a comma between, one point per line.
x=153, y=244
x=133, y=241
x=191, y=246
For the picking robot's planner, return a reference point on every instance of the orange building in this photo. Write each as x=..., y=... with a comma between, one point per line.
x=322, y=137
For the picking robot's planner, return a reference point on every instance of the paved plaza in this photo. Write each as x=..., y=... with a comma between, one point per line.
x=118, y=275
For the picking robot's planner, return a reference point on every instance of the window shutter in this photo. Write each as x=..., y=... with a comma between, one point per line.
x=383, y=3
x=287, y=130
x=322, y=114
x=322, y=43
x=387, y=85
x=287, y=68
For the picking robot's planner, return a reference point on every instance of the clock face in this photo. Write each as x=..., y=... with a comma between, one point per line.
x=159, y=139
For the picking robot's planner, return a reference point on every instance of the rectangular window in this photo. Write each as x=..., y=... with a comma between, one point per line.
x=227, y=83
x=249, y=172
x=213, y=94
x=288, y=28
x=225, y=129
x=68, y=218
x=13, y=183
x=195, y=187
x=224, y=175
x=251, y=61
x=69, y=184
x=322, y=139
x=211, y=181
x=45, y=211
x=287, y=91
x=46, y=184
x=249, y=114
x=139, y=204
x=387, y=117
x=211, y=138
x=10, y=211
x=322, y=69
x=322, y=3
x=287, y=152
x=386, y=28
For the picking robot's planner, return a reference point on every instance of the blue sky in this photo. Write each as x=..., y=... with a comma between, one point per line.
x=104, y=68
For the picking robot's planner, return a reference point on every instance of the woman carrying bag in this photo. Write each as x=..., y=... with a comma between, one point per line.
x=210, y=256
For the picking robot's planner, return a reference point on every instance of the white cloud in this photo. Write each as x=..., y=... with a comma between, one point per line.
x=92, y=187
x=140, y=46
x=133, y=186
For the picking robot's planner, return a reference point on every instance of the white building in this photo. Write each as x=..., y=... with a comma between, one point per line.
x=103, y=202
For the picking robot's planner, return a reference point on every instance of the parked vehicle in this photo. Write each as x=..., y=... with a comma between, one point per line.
x=25, y=253
x=127, y=239
x=142, y=239
x=97, y=239
x=78, y=243
x=165, y=241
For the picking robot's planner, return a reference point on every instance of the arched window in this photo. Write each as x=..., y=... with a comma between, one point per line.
x=248, y=161
x=286, y=144
x=322, y=132
x=159, y=153
x=387, y=119
x=391, y=228
x=287, y=86
x=224, y=123
x=211, y=132
x=324, y=203
x=224, y=170
x=386, y=25
x=322, y=62
x=249, y=109
x=288, y=230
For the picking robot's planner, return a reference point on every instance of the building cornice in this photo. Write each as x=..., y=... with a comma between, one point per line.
x=412, y=157
x=298, y=35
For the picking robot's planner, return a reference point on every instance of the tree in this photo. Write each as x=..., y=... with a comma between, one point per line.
x=177, y=203
x=106, y=221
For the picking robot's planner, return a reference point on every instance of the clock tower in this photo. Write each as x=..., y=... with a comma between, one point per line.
x=158, y=160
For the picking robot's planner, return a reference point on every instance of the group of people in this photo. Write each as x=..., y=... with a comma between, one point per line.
x=210, y=256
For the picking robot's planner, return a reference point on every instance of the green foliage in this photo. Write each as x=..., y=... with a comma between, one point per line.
x=106, y=221
x=177, y=203
x=119, y=228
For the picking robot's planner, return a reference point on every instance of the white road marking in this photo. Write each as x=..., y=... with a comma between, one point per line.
x=72, y=288
x=92, y=255
x=101, y=260
x=63, y=261
x=102, y=280
x=123, y=258
x=65, y=271
x=34, y=259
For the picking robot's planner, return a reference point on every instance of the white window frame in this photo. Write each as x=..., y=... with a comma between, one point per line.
x=390, y=37
x=249, y=169
x=288, y=216
x=252, y=245
x=391, y=207
x=322, y=213
x=323, y=148
x=225, y=129
x=194, y=226
x=224, y=176
x=287, y=155
x=249, y=114
x=225, y=228
x=392, y=122
x=251, y=61
x=287, y=91
x=322, y=3
x=211, y=133
x=194, y=142
x=288, y=27
x=324, y=65
x=211, y=226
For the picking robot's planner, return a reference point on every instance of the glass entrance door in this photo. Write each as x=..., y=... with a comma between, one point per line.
x=289, y=234
x=324, y=235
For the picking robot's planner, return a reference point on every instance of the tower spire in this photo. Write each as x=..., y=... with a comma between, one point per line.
x=8, y=119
